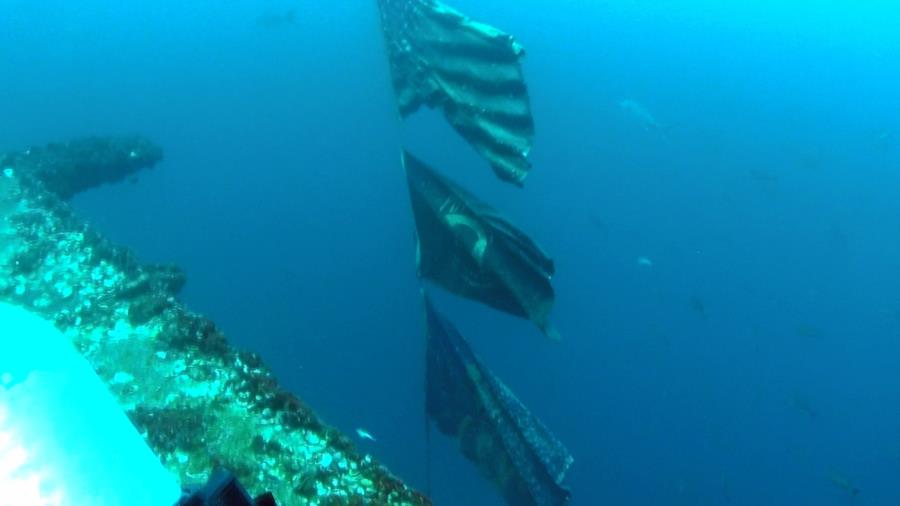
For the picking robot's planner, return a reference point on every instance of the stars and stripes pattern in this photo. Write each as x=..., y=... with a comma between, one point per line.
x=471, y=71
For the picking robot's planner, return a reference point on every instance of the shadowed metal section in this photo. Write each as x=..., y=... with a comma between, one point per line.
x=441, y=58
x=470, y=250
x=69, y=168
x=495, y=430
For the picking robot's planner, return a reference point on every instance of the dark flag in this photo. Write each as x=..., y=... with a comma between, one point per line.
x=509, y=445
x=468, y=249
x=471, y=71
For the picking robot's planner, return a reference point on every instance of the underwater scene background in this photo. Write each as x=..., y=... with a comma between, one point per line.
x=726, y=269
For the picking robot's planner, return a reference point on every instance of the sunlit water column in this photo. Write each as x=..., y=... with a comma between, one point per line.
x=63, y=438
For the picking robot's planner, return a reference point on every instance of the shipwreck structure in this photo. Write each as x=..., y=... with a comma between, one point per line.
x=200, y=403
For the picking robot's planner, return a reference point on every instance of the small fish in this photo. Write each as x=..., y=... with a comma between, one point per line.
x=598, y=223
x=884, y=140
x=644, y=262
x=643, y=117
x=811, y=160
x=843, y=483
x=698, y=306
x=808, y=331
x=275, y=20
x=803, y=405
x=364, y=434
x=763, y=175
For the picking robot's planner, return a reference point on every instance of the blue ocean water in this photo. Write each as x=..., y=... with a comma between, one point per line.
x=753, y=362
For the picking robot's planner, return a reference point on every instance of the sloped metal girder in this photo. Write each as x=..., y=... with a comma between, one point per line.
x=471, y=71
